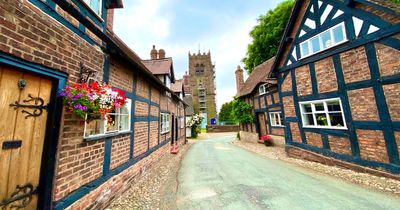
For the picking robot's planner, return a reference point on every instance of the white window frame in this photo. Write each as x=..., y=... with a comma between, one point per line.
x=165, y=123
x=98, y=13
x=128, y=104
x=333, y=44
x=182, y=122
x=314, y=112
x=275, y=119
x=262, y=89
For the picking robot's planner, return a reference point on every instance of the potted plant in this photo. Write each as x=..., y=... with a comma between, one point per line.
x=194, y=124
x=92, y=101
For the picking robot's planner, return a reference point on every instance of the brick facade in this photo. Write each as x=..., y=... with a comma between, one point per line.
x=361, y=72
x=30, y=35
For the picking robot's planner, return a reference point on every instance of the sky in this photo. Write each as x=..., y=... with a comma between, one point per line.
x=182, y=26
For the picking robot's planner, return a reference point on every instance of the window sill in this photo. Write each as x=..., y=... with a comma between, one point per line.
x=277, y=126
x=164, y=132
x=103, y=136
x=326, y=127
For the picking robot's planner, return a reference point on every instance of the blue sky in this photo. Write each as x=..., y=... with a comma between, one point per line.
x=180, y=26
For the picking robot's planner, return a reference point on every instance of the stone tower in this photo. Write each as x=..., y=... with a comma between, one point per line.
x=239, y=79
x=202, y=84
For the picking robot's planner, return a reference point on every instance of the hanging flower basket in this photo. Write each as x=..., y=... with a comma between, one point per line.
x=92, y=101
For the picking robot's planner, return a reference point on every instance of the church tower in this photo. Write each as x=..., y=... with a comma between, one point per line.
x=202, y=84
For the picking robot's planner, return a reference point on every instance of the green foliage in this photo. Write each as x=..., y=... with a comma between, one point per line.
x=395, y=1
x=242, y=111
x=225, y=114
x=267, y=35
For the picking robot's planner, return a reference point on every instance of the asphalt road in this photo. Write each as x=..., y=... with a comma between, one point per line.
x=218, y=175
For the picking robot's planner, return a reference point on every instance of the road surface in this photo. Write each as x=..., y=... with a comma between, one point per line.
x=218, y=175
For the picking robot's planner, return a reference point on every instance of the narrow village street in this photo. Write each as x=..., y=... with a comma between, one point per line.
x=215, y=174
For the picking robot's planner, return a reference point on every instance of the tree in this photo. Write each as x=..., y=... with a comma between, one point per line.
x=242, y=111
x=267, y=35
x=225, y=114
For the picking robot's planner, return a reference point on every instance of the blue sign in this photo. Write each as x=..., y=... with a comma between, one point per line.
x=213, y=121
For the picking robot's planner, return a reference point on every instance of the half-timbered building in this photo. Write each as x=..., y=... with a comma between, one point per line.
x=261, y=92
x=50, y=158
x=338, y=70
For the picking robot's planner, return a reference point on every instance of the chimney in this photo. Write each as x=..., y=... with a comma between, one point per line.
x=153, y=53
x=161, y=54
x=110, y=19
x=186, y=79
x=239, y=79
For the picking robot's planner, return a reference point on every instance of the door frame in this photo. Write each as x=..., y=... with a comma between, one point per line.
x=173, y=129
x=55, y=109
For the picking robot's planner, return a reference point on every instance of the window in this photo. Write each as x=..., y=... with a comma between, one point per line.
x=165, y=121
x=323, y=114
x=275, y=119
x=263, y=89
x=182, y=122
x=199, y=68
x=118, y=121
x=95, y=5
x=327, y=39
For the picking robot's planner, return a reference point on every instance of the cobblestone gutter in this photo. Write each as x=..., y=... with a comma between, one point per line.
x=156, y=189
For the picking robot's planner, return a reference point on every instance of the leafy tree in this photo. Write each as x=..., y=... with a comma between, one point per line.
x=225, y=114
x=242, y=111
x=396, y=1
x=267, y=35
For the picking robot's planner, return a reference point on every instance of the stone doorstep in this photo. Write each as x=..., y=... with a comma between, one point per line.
x=315, y=157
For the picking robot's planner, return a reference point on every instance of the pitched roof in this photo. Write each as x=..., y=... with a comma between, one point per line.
x=159, y=66
x=259, y=75
x=177, y=87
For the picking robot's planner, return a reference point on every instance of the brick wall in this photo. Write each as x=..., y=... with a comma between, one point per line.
x=287, y=83
x=303, y=78
x=288, y=106
x=121, y=76
x=372, y=145
x=295, y=131
x=355, y=65
x=141, y=138
x=314, y=139
x=339, y=145
x=141, y=108
x=387, y=60
x=326, y=76
x=392, y=95
x=153, y=134
x=120, y=150
x=363, y=105
x=278, y=131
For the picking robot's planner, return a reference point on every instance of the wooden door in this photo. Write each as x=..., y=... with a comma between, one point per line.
x=22, y=133
x=262, y=124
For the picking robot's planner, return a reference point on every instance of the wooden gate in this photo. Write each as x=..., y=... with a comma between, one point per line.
x=261, y=122
x=23, y=115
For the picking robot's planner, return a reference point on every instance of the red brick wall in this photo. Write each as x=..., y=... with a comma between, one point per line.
x=141, y=138
x=388, y=60
x=340, y=145
x=303, y=79
x=120, y=76
x=141, y=108
x=262, y=103
x=287, y=83
x=295, y=131
x=355, y=65
x=120, y=150
x=363, y=105
x=392, y=94
x=372, y=145
x=154, y=111
x=314, y=139
x=278, y=131
x=153, y=134
x=288, y=106
x=276, y=98
x=155, y=95
x=142, y=87
x=256, y=104
x=326, y=76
